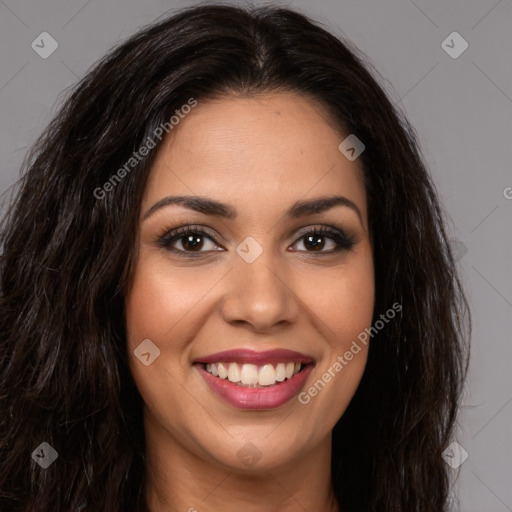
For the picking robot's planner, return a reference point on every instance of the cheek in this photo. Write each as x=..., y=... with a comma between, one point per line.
x=160, y=300
x=166, y=306
x=154, y=310
x=341, y=303
x=343, y=308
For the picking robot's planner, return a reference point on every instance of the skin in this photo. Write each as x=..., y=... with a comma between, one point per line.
x=259, y=155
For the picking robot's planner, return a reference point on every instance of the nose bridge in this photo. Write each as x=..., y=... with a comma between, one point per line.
x=258, y=292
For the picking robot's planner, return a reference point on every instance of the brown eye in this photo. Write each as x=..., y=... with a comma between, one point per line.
x=316, y=240
x=192, y=242
x=188, y=240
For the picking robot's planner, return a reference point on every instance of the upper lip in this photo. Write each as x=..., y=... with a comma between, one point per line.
x=256, y=357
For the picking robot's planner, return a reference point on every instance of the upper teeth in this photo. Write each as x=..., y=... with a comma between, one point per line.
x=252, y=375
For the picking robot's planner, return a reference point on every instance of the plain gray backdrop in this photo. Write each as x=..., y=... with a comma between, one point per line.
x=460, y=106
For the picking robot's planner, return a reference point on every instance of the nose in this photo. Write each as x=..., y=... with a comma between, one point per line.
x=260, y=295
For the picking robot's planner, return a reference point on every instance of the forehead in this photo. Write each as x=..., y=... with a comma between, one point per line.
x=274, y=148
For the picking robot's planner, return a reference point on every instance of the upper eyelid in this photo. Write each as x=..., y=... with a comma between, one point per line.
x=180, y=231
x=210, y=232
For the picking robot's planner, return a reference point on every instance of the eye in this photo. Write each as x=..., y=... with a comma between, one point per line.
x=315, y=240
x=193, y=240
x=188, y=239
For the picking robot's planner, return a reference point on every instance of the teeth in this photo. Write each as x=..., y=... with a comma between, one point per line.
x=234, y=373
x=251, y=375
x=267, y=375
x=223, y=371
x=280, y=372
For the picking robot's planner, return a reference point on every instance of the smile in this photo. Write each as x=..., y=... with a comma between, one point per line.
x=249, y=379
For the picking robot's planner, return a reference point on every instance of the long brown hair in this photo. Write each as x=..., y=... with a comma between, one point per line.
x=67, y=257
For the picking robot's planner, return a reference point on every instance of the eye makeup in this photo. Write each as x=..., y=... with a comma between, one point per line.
x=192, y=237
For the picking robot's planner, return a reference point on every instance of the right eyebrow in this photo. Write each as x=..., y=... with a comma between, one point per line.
x=197, y=203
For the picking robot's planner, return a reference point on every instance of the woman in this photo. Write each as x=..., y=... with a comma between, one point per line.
x=226, y=284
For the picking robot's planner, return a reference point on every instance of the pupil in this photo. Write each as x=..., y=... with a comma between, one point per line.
x=193, y=242
x=316, y=241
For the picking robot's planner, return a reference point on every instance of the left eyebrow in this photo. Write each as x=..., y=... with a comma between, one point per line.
x=321, y=204
x=211, y=207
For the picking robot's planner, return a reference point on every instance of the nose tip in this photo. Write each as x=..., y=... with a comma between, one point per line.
x=259, y=296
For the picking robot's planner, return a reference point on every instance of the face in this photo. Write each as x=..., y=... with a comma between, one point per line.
x=270, y=273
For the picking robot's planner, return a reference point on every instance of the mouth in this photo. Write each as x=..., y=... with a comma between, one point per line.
x=250, y=379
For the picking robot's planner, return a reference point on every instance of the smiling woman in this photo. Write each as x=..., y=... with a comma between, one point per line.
x=262, y=313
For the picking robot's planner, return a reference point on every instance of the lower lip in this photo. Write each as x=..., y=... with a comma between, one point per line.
x=268, y=397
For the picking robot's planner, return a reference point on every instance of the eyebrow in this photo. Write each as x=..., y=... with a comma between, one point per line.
x=215, y=208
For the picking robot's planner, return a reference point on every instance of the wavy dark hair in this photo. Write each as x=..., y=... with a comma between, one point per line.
x=67, y=259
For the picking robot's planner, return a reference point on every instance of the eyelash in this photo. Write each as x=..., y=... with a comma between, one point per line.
x=343, y=242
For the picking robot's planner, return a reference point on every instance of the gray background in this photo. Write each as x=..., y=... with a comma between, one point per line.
x=461, y=109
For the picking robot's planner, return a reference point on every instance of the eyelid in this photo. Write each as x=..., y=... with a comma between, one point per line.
x=322, y=227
